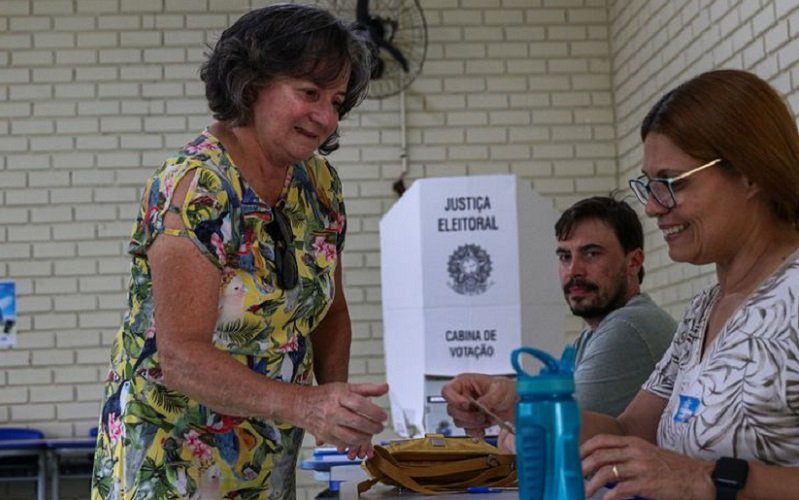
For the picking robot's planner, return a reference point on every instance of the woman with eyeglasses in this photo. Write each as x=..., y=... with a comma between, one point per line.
x=719, y=416
x=235, y=298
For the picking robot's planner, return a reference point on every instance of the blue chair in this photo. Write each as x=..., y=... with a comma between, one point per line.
x=22, y=457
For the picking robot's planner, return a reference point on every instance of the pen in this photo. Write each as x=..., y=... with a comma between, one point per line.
x=482, y=489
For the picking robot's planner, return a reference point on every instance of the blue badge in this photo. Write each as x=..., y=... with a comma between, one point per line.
x=687, y=409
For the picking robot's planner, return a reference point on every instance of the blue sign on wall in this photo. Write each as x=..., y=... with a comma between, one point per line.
x=8, y=314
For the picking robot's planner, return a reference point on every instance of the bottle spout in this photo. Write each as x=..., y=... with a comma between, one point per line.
x=552, y=366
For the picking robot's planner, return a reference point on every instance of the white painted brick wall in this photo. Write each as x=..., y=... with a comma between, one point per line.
x=94, y=94
x=657, y=44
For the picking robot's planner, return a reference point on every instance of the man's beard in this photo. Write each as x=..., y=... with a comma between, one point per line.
x=601, y=304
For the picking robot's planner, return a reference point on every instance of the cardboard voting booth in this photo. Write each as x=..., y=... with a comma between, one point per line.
x=469, y=273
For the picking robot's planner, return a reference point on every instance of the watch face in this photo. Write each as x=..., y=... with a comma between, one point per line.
x=730, y=472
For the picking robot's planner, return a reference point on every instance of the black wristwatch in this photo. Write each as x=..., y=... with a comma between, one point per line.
x=729, y=476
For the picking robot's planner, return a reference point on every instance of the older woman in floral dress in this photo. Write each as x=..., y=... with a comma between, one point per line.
x=235, y=299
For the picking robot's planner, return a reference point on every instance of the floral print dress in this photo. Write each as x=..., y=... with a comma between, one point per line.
x=157, y=443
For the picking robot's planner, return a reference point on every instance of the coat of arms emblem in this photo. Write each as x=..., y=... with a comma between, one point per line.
x=469, y=270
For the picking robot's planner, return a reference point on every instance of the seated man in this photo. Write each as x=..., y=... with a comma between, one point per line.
x=600, y=249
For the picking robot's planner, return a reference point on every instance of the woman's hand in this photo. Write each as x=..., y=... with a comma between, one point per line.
x=506, y=442
x=498, y=394
x=342, y=415
x=641, y=469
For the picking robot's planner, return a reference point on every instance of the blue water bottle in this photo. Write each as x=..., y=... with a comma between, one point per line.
x=548, y=429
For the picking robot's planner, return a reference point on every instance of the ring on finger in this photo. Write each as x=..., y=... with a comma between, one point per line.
x=616, y=474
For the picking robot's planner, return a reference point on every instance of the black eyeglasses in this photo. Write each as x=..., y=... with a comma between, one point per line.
x=285, y=261
x=661, y=189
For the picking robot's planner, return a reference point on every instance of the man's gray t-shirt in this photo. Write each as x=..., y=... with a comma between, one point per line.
x=614, y=360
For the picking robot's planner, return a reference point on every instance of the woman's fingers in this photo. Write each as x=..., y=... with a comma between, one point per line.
x=341, y=415
x=637, y=467
x=506, y=442
x=498, y=394
x=369, y=390
x=356, y=401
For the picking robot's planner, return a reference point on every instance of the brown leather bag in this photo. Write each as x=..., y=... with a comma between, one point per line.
x=437, y=464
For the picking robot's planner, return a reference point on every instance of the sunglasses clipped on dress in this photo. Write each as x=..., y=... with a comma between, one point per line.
x=279, y=229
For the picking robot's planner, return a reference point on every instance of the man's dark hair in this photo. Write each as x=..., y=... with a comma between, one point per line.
x=615, y=213
x=291, y=40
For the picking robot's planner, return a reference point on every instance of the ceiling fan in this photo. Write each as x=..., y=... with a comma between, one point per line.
x=398, y=32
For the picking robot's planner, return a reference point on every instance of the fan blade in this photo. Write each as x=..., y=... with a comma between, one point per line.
x=362, y=12
x=395, y=53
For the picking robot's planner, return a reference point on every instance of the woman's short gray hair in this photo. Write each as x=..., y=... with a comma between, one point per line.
x=293, y=40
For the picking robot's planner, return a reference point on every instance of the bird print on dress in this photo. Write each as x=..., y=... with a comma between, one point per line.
x=172, y=447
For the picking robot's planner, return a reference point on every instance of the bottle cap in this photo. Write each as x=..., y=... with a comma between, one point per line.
x=542, y=384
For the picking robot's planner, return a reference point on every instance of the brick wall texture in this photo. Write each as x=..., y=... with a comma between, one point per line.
x=94, y=94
